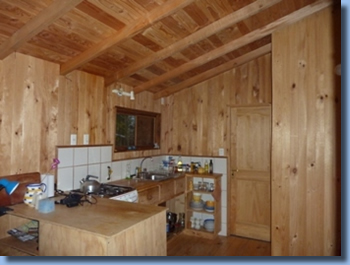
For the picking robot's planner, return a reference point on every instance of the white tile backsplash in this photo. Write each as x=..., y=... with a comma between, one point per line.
x=104, y=171
x=95, y=170
x=220, y=165
x=79, y=172
x=94, y=155
x=65, y=156
x=65, y=178
x=106, y=154
x=77, y=162
x=80, y=156
x=224, y=182
x=224, y=198
x=223, y=231
x=117, y=170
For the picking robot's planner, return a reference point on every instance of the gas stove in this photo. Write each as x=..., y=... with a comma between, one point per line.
x=114, y=192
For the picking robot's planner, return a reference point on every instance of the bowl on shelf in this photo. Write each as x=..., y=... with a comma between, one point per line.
x=209, y=209
x=197, y=205
x=210, y=204
x=209, y=225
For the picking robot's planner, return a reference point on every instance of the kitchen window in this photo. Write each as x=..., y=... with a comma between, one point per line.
x=136, y=130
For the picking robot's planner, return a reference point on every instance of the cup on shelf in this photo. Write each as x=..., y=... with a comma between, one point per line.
x=197, y=197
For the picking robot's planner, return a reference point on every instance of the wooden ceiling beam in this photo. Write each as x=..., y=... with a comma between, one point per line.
x=128, y=31
x=214, y=72
x=199, y=35
x=238, y=43
x=46, y=17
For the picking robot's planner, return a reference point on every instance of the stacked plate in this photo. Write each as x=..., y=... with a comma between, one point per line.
x=209, y=206
x=209, y=209
x=198, y=206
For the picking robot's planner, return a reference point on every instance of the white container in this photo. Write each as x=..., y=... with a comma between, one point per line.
x=49, y=181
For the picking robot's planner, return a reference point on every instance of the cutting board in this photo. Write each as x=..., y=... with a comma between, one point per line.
x=18, y=194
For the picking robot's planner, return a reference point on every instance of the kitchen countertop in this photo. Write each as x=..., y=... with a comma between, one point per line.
x=106, y=217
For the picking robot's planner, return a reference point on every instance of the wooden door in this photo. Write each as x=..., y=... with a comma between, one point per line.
x=250, y=150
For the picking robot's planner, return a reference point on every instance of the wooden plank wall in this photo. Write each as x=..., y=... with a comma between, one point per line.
x=306, y=137
x=143, y=101
x=82, y=107
x=40, y=109
x=28, y=114
x=197, y=118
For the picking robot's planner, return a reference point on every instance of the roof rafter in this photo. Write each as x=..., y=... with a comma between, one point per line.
x=235, y=44
x=46, y=17
x=199, y=35
x=132, y=29
x=216, y=71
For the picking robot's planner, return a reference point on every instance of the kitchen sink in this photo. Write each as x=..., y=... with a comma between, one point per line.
x=156, y=176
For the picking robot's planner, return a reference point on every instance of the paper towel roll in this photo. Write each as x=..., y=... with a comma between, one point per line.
x=49, y=181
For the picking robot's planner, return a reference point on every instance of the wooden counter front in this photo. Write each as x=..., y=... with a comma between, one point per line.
x=155, y=192
x=109, y=228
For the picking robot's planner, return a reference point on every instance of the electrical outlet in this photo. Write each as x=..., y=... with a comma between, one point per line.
x=221, y=151
x=73, y=139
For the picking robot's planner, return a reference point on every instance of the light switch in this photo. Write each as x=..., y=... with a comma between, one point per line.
x=221, y=151
x=73, y=139
x=86, y=139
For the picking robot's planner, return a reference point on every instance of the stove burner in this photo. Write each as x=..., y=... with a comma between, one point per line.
x=109, y=190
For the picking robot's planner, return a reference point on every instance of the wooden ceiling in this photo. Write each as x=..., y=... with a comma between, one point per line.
x=161, y=46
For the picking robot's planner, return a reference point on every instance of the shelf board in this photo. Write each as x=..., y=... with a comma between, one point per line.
x=199, y=211
x=29, y=247
x=172, y=235
x=201, y=233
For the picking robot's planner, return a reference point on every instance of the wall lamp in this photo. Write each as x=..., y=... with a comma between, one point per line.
x=120, y=92
x=9, y=186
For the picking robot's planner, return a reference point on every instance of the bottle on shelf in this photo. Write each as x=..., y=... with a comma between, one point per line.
x=211, y=167
x=179, y=164
x=206, y=166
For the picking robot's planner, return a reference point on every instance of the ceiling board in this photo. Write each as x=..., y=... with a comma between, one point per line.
x=160, y=46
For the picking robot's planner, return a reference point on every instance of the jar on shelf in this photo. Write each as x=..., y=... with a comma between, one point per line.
x=211, y=187
x=205, y=186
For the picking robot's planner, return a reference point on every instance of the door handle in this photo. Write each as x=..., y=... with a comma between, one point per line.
x=233, y=172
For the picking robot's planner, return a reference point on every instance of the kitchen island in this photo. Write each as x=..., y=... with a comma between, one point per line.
x=107, y=228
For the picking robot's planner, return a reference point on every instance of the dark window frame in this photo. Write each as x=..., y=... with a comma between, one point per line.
x=139, y=114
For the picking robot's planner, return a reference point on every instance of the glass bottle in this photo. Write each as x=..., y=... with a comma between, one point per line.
x=182, y=220
x=211, y=167
x=179, y=164
x=206, y=166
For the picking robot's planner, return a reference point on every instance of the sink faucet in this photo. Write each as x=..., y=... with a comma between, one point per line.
x=141, y=168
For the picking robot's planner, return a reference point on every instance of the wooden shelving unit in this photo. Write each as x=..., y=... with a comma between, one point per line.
x=216, y=196
x=10, y=221
x=28, y=247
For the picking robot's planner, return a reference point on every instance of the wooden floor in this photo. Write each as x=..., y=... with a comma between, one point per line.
x=184, y=245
